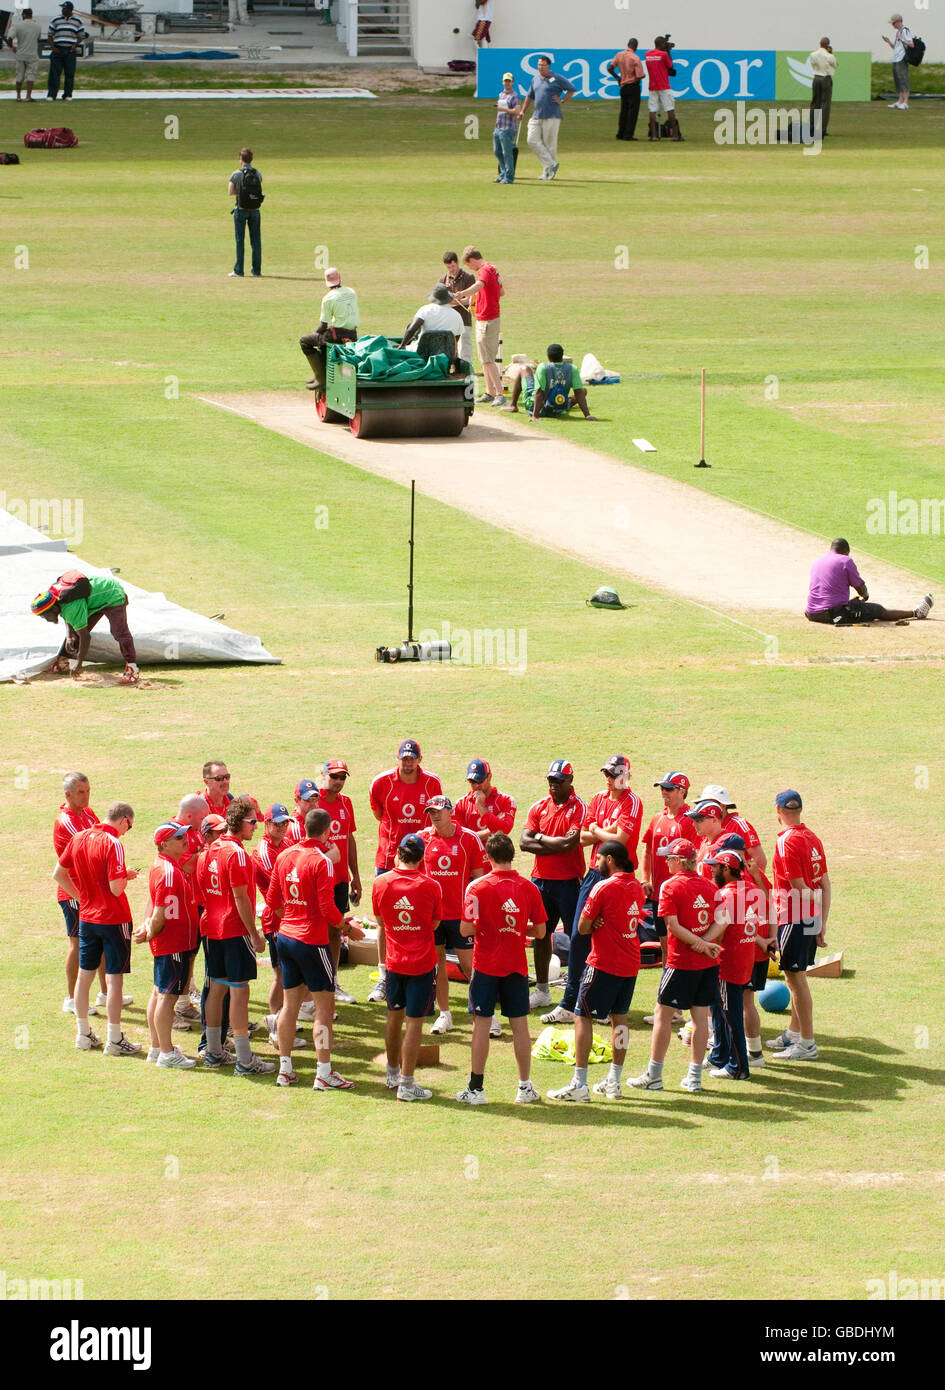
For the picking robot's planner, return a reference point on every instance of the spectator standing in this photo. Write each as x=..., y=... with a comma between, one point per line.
x=629, y=71
x=900, y=64
x=64, y=35
x=506, y=124
x=486, y=289
x=246, y=187
x=25, y=42
x=659, y=68
x=456, y=279
x=823, y=65
x=549, y=91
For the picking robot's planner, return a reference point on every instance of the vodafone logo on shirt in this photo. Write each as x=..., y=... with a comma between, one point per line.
x=511, y=910
x=702, y=911
x=404, y=909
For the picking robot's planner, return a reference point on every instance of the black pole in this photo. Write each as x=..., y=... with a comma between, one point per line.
x=410, y=581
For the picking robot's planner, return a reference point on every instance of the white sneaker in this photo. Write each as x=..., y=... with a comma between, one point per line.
x=271, y=1023
x=177, y=1059
x=184, y=1009
x=688, y=1085
x=495, y=1028
x=85, y=1041
x=343, y=997
x=254, y=1067
x=307, y=1011
x=153, y=1054
x=756, y=1059
x=782, y=1041
x=797, y=1053
x=180, y=1025
x=124, y=1047
x=467, y=1096
x=378, y=994
x=333, y=1082
x=392, y=1080
x=558, y=1015
x=924, y=608
x=102, y=999
x=612, y=1089
x=413, y=1092
x=646, y=1082
x=68, y=1005
x=685, y=1034
x=194, y=997
x=540, y=997
x=444, y=1024
x=526, y=1094
x=570, y=1092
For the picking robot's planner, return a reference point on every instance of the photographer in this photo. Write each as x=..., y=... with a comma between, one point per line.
x=659, y=68
x=823, y=65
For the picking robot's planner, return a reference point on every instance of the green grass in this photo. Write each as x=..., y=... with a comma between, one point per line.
x=751, y=262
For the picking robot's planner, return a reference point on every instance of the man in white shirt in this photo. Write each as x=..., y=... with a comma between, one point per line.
x=900, y=66
x=823, y=65
x=436, y=316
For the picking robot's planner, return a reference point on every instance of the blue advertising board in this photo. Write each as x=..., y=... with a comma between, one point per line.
x=701, y=74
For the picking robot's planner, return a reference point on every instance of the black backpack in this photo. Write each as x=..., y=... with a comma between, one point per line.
x=9, y=159
x=249, y=194
x=916, y=53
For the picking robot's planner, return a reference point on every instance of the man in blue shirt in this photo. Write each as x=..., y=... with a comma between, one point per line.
x=549, y=92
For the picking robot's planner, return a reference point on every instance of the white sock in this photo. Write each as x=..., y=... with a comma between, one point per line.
x=162, y=1055
x=754, y=1044
x=323, y=1070
x=654, y=1070
x=806, y=1042
x=615, y=1073
x=695, y=1071
x=381, y=974
x=580, y=1076
x=114, y=1032
x=285, y=1066
x=153, y=1054
x=525, y=1085
x=82, y=1027
x=406, y=1080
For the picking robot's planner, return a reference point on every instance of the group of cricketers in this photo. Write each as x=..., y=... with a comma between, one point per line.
x=446, y=895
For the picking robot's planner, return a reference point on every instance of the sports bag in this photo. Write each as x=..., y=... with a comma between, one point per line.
x=56, y=138
x=916, y=53
x=9, y=159
x=557, y=387
x=249, y=194
x=71, y=586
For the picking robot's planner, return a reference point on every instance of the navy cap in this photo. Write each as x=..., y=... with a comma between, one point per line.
x=410, y=748
x=277, y=813
x=733, y=842
x=439, y=803
x=674, y=780
x=306, y=789
x=617, y=763
x=560, y=770
x=478, y=770
x=413, y=844
x=789, y=801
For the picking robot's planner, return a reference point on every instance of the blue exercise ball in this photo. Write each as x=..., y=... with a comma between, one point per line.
x=775, y=998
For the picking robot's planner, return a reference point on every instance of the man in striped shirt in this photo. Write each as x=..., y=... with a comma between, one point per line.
x=64, y=36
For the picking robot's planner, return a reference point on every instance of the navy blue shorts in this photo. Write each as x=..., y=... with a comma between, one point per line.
x=273, y=949
x=797, y=945
x=510, y=992
x=303, y=964
x=231, y=961
x=659, y=923
x=600, y=994
x=688, y=989
x=759, y=975
x=413, y=993
x=560, y=896
x=342, y=897
x=70, y=910
x=450, y=935
x=172, y=972
x=101, y=938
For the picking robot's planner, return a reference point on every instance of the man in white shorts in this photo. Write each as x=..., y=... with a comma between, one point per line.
x=659, y=69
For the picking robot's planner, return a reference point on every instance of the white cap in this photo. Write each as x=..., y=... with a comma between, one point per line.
x=713, y=792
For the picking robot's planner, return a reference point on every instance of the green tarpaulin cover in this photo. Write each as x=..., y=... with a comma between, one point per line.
x=374, y=357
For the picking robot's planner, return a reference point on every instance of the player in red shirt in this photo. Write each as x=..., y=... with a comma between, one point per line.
x=226, y=885
x=75, y=814
x=659, y=69
x=306, y=799
x=738, y=925
x=734, y=824
x=503, y=910
x=672, y=823
x=408, y=907
x=707, y=817
x=553, y=834
x=802, y=895
x=398, y=798
x=190, y=813
x=277, y=821
x=452, y=858
x=92, y=869
x=171, y=929
x=616, y=813
x=484, y=810
x=332, y=798
x=216, y=782
x=301, y=895
x=689, y=981
x=610, y=919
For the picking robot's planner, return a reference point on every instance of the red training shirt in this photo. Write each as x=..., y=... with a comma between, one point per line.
x=498, y=817
x=225, y=865
x=301, y=888
x=549, y=819
x=619, y=902
x=67, y=824
x=168, y=888
x=689, y=899
x=342, y=828
x=402, y=809
x=623, y=813
x=450, y=861
x=264, y=858
x=502, y=904
x=487, y=298
x=94, y=858
x=660, y=832
x=739, y=948
x=409, y=904
x=798, y=854
x=658, y=63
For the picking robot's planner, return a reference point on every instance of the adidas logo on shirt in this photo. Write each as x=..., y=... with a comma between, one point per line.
x=700, y=902
x=510, y=906
x=403, y=902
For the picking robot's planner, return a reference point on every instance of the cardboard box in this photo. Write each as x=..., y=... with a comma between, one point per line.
x=362, y=953
x=828, y=967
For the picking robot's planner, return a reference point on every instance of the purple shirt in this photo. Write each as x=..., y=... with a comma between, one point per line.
x=831, y=579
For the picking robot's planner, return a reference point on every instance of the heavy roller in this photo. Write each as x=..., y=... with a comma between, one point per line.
x=380, y=408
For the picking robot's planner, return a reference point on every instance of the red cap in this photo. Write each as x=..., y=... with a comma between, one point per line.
x=336, y=765
x=708, y=808
x=729, y=857
x=170, y=830
x=212, y=822
x=678, y=849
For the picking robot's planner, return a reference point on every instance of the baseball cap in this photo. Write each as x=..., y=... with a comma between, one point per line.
x=277, y=813
x=440, y=295
x=617, y=762
x=789, y=801
x=43, y=602
x=413, y=844
x=212, y=822
x=67, y=5
x=674, y=779
x=332, y=276
x=678, y=849
x=409, y=748
x=306, y=790
x=478, y=770
x=733, y=842
x=713, y=792
x=334, y=765
x=169, y=830
x=707, y=808
x=729, y=857
x=439, y=803
x=508, y=77
x=894, y=17
x=560, y=770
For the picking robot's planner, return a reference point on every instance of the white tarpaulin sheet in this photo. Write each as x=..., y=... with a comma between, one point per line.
x=164, y=632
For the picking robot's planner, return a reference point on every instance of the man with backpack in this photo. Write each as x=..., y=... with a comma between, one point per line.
x=901, y=46
x=553, y=390
x=246, y=187
x=81, y=600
